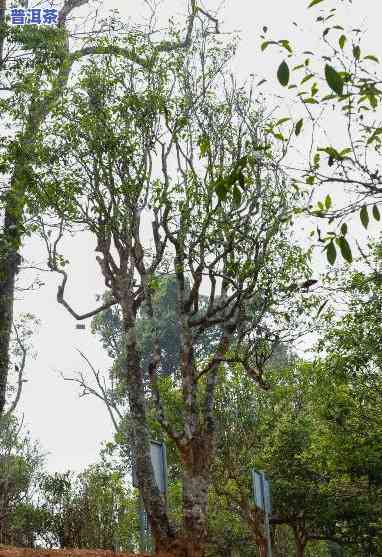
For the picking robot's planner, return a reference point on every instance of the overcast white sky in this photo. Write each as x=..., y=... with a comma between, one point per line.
x=71, y=429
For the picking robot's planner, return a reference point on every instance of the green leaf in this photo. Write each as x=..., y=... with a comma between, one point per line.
x=334, y=80
x=281, y=121
x=265, y=44
x=376, y=213
x=310, y=180
x=299, y=125
x=328, y=202
x=345, y=249
x=364, y=216
x=344, y=229
x=356, y=52
x=374, y=135
x=342, y=41
x=373, y=101
x=329, y=97
x=306, y=78
x=372, y=57
x=283, y=74
x=331, y=252
x=285, y=44
x=310, y=101
x=314, y=2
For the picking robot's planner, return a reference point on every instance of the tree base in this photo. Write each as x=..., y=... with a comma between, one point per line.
x=182, y=547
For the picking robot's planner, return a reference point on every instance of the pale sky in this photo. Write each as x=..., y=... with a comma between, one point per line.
x=70, y=428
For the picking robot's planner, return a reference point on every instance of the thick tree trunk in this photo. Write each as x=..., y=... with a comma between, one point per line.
x=300, y=550
x=263, y=548
x=9, y=264
x=256, y=521
x=262, y=544
x=195, y=505
x=301, y=541
x=133, y=374
x=196, y=483
x=196, y=458
x=153, y=501
x=8, y=270
x=10, y=243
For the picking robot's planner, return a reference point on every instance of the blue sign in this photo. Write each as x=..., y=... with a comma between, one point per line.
x=262, y=496
x=159, y=463
x=32, y=16
x=257, y=488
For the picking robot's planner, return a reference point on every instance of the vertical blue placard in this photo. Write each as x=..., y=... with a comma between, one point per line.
x=257, y=487
x=159, y=463
x=267, y=496
x=261, y=491
x=262, y=497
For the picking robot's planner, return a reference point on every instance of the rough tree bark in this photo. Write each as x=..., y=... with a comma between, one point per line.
x=301, y=540
x=133, y=374
x=196, y=483
x=255, y=520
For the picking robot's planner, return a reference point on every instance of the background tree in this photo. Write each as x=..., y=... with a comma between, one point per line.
x=271, y=431
x=93, y=509
x=20, y=465
x=308, y=434
x=351, y=427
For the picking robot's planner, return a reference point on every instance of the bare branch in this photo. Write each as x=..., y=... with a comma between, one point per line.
x=101, y=393
x=54, y=266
